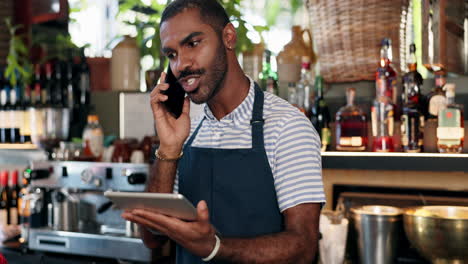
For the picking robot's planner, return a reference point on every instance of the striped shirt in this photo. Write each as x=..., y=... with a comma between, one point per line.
x=291, y=143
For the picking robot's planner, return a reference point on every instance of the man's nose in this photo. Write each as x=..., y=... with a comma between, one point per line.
x=184, y=62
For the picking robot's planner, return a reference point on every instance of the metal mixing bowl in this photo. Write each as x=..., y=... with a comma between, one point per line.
x=439, y=233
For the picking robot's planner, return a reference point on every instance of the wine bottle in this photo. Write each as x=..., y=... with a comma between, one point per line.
x=320, y=115
x=4, y=202
x=13, y=198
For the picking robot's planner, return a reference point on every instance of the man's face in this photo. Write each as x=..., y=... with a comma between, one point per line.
x=196, y=54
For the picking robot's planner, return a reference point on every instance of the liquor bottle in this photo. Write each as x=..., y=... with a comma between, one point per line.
x=7, y=109
x=4, y=202
x=386, y=76
x=59, y=101
x=450, y=130
x=320, y=115
x=53, y=119
x=435, y=100
x=412, y=118
x=25, y=105
x=84, y=80
x=268, y=77
x=93, y=137
x=36, y=111
x=383, y=108
x=351, y=125
x=16, y=119
x=13, y=198
x=292, y=93
x=304, y=87
x=69, y=82
x=3, y=131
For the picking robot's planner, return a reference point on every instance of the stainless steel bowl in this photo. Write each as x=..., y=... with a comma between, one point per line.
x=439, y=233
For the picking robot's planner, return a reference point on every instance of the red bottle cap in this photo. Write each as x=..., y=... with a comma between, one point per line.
x=4, y=178
x=14, y=178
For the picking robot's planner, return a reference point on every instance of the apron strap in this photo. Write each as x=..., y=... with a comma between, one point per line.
x=192, y=138
x=257, y=119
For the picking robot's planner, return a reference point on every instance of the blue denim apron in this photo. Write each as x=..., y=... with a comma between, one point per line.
x=237, y=185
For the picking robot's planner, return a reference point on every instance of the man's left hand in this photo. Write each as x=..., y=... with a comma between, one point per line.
x=198, y=236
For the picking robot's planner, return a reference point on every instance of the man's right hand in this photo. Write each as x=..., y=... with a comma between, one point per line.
x=172, y=132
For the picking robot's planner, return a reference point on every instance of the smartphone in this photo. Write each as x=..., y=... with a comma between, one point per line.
x=175, y=94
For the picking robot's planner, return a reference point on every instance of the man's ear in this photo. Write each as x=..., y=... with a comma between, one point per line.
x=229, y=36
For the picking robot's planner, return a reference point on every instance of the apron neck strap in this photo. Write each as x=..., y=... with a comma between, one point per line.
x=257, y=119
x=256, y=122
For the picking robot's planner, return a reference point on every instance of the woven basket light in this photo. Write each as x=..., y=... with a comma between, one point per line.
x=348, y=33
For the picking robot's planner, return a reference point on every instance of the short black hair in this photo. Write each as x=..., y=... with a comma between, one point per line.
x=211, y=12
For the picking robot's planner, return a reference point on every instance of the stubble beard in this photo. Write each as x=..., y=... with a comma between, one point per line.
x=214, y=78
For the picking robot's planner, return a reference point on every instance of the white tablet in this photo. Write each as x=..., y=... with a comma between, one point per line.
x=170, y=204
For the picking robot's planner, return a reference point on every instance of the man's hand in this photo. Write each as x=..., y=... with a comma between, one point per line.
x=172, y=132
x=198, y=236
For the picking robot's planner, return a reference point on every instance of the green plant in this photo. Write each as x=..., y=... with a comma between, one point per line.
x=18, y=65
x=58, y=46
x=148, y=17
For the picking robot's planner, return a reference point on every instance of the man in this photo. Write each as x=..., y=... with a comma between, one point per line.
x=251, y=163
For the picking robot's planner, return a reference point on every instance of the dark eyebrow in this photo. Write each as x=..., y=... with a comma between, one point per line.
x=184, y=41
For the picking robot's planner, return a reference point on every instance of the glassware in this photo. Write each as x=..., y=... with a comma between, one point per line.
x=351, y=125
x=320, y=115
x=412, y=119
x=450, y=130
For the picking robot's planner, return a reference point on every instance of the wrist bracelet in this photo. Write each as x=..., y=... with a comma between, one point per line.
x=215, y=250
x=160, y=157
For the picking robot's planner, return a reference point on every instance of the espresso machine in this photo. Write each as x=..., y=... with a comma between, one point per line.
x=68, y=212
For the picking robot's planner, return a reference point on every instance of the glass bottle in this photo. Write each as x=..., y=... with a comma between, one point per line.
x=7, y=112
x=268, y=77
x=4, y=136
x=25, y=105
x=386, y=76
x=351, y=125
x=84, y=80
x=304, y=86
x=450, y=130
x=36, y=111
x=292, y=93
x=412, y=119
x=14, y=192
x=15, y=117
x=383, y=109
x=93, y=138
x=435, y=100
x=4, y=201
x=320, y=115
x=290, y=57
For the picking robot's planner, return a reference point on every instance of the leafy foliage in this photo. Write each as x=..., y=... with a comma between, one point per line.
x=150, y=44
x=18, y=65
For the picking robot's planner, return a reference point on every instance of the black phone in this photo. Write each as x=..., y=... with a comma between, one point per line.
x=175, y=94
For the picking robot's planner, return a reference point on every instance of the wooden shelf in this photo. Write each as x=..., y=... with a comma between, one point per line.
x=18, y=146
x=395, y=161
